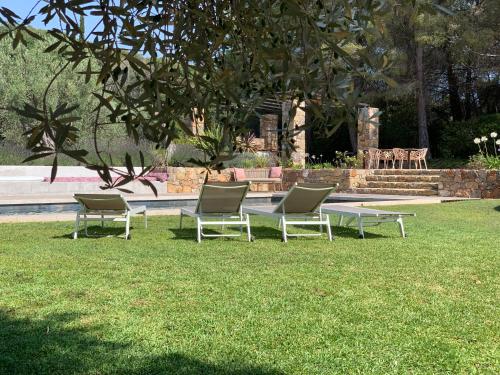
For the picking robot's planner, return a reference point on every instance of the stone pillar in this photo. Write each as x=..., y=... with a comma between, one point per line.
x=367, y=128
x=197, y=121
x=299, y=136
x=269, y=131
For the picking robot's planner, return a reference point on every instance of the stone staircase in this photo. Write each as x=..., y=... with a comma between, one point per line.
x=400, y=182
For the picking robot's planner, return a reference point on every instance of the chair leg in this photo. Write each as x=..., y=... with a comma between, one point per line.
x=401, y=227
x=127, y=227
x=249, y=233
x=360, y=228
x=425, y=163
x=180, y=221
x=145, y=219
x=198, y=229
x=341, y=219
x=283, y=223
x=329, y=228
x=85, y=224
x=77, y=226
x=102, y=221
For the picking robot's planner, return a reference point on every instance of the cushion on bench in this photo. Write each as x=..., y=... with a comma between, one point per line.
x=275, y=172
x=239, y=174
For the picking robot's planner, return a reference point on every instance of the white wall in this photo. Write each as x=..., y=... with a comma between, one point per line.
x=30, y=178
x=44, y=171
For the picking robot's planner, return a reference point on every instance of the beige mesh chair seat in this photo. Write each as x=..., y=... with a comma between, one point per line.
x=106, y=207
x=300, y=206
x=365, y=217
x=220, y=204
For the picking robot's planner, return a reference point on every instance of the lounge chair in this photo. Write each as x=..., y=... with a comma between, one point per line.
x=300, y=206
x=106, y=207
x=365, y=217
x=220, y=204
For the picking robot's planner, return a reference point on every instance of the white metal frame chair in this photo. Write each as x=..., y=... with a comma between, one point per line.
x=300, y=206
x=366, y=217
x=220, y=204
x=106, y=207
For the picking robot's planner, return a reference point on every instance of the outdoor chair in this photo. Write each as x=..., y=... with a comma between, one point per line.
x=387, y=157
x=417, y=156
x=374, y=155
x=106, y=207
x=365, y=217
x=400, y=155
x=300, y=206
x=220, y=204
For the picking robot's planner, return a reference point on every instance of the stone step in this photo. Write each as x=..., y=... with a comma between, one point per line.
x=401, y=185
x=423, y=192
x=395, y=171
x=404, y=178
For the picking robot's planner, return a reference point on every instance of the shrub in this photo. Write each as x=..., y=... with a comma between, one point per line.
x=456, y=137
x=325, y=165
x=344, y=160
x=484, y=162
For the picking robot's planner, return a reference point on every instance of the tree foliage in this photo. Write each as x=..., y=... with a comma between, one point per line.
x=157, y=61
x=461, y=75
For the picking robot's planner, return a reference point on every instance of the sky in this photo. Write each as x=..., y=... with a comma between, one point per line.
x=23, y=7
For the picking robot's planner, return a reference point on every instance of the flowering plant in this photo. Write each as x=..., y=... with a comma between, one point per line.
x=485, y=159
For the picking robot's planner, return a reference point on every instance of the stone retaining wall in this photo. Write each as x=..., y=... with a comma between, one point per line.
x=346, y=178
x=189, y=180
x=452, y=182
x=469, y=183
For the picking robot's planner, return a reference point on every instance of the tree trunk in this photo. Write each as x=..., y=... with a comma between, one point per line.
x=469, y=103
x=353, y=136
x=423, y=133
x=455, y=104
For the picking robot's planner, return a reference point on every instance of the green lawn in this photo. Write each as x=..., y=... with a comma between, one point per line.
x=161, y=303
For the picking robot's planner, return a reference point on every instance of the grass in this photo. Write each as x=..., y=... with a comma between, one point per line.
x=161, y=304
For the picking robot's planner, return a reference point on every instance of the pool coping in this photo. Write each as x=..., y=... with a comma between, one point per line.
x=183, y=200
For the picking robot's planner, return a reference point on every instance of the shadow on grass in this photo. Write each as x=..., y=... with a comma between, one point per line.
x=56, y=345
x=354, y=233
x=96, y=231
x=497, y=208
x=268, y=232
